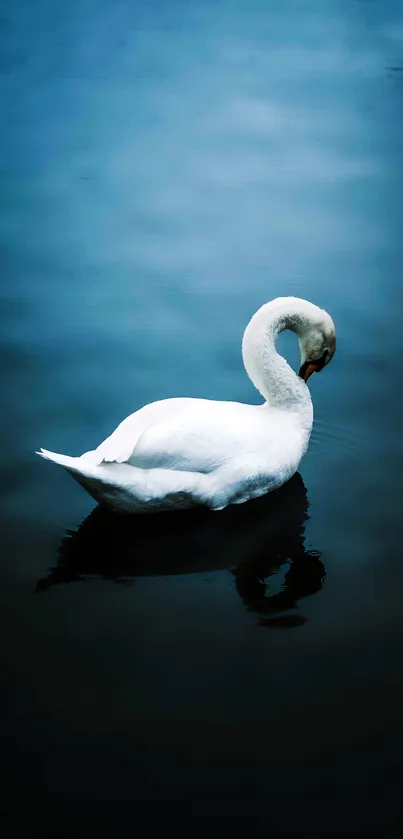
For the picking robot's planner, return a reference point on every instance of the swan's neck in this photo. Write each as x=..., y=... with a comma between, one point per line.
x=269, y=371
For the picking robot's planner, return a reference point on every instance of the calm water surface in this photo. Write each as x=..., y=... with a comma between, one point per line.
x=165, y=169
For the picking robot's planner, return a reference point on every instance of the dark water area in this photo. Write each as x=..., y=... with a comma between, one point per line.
x=166, y=168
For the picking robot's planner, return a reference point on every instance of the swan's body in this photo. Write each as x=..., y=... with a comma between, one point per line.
x=180, y=452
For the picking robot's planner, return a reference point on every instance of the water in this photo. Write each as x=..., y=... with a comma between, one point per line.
x=165, y=169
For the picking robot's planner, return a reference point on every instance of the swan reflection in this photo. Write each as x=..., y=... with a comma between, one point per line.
x=261, y=542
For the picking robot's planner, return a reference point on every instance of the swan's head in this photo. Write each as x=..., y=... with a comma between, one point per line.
x=317, y=340
x=270, y=373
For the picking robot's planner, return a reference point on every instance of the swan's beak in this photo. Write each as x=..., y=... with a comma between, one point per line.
x=307, y=369
x=316, y=366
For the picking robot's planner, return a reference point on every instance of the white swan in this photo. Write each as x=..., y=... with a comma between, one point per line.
x=181, y=452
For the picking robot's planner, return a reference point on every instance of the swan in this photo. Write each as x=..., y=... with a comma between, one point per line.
x=181, y=452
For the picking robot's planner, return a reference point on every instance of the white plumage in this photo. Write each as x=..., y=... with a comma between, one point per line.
x=181, y=452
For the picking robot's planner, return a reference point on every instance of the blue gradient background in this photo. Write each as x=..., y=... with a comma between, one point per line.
x=165, y=168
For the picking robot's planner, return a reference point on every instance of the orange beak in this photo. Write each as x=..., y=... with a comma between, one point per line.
x=310, y=367
x=307, y=369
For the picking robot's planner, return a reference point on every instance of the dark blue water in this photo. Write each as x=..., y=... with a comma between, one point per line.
x=166, y=168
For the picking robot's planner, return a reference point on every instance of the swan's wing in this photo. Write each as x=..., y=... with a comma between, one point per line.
x=195, y=435
x=200, y=438
x=119, y=446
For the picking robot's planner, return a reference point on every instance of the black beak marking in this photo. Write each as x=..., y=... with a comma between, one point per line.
x=318, y=364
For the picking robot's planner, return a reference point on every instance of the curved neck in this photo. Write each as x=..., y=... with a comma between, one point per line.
x=270, y=373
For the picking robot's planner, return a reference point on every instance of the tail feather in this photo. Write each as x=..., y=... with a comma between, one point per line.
x=73, y=464
x=117, y=484
x=88, y=475
x=84, y=469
